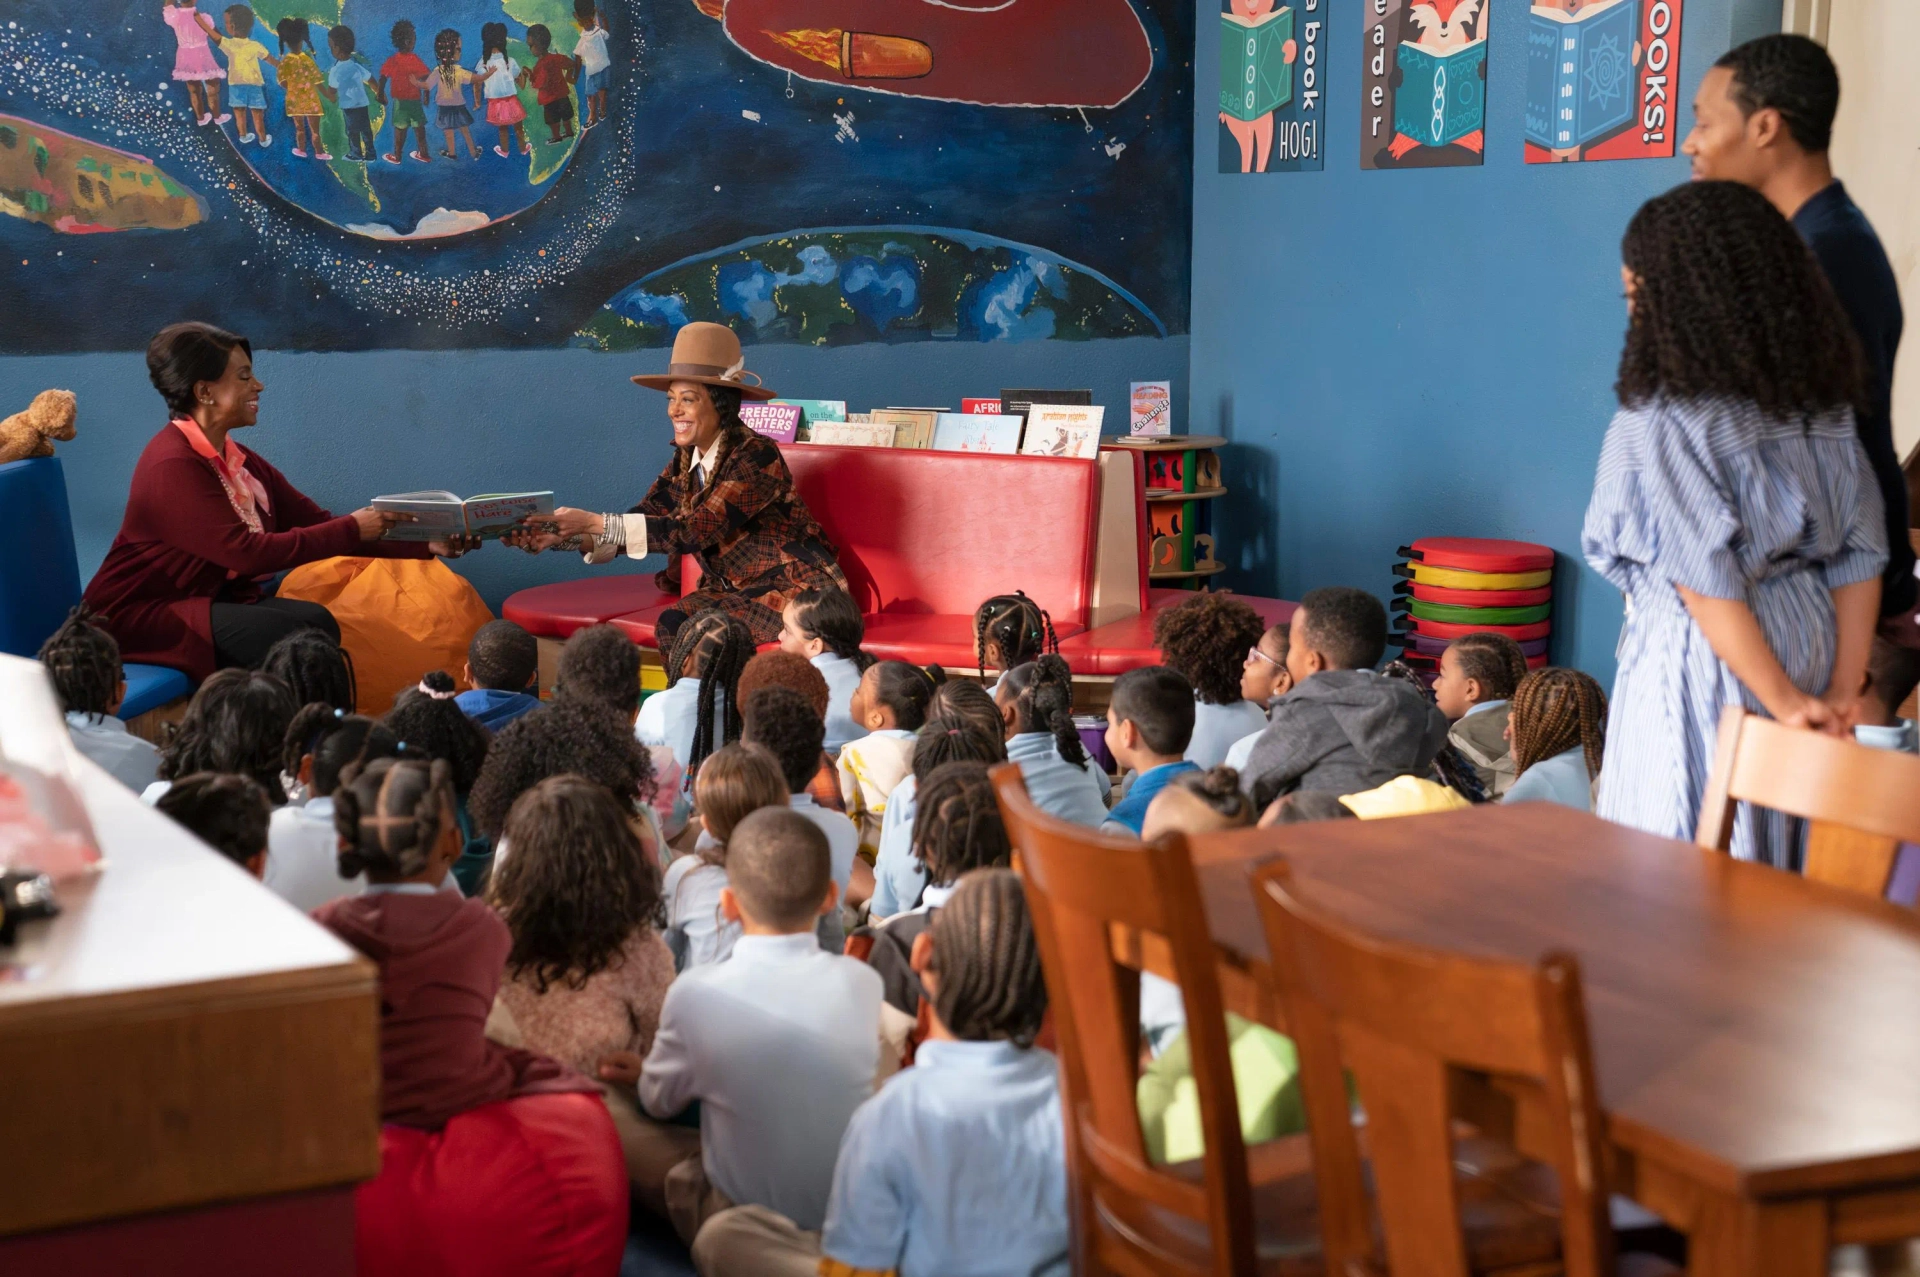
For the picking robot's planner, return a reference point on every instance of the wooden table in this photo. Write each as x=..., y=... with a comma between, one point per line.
x=1756, y=1036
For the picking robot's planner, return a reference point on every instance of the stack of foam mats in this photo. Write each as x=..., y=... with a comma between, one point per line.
x=1455, y=586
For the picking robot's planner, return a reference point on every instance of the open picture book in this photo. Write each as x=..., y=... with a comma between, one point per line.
x=439, y=515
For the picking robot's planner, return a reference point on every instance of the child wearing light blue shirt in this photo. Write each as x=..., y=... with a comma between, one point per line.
x=1036, y=705
x=824, y=625
x=899, y=878
x=1557, y=727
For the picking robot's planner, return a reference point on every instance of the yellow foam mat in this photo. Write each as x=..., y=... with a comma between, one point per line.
x=1455, y=578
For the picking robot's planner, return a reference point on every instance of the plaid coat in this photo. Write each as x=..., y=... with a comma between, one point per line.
x=755, y=540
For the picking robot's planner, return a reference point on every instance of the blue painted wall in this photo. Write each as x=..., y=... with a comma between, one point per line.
x=346, y=427
x=1399, y=354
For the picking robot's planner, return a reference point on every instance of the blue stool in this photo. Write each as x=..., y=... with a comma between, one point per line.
x=39, y=588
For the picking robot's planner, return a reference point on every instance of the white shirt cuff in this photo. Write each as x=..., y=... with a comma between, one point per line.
x=636, y=526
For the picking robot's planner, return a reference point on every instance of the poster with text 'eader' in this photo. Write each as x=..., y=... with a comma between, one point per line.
x=1600, y=79
x=1423, y=83
x=1271, y=59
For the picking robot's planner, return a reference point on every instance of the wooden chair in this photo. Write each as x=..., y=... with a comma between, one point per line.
x=1862, y=803
x=1402, y=1019
x=1235, y=1210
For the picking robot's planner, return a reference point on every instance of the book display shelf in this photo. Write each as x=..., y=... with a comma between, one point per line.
x=1183, y=480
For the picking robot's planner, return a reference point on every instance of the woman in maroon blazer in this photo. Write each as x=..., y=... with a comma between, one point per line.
x=207, y=518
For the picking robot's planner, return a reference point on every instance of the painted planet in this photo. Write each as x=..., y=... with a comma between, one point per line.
x=894, y=284
x=410, y=199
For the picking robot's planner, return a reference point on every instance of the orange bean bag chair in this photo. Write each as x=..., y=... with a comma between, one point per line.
x=529, y=1187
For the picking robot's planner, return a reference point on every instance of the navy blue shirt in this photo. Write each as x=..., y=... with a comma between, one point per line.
x=1850, y=254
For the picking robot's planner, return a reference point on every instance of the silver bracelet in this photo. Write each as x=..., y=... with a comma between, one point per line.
x=613, y=531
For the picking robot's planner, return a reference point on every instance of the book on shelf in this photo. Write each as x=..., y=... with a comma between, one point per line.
x=1062, y=430
x=860, y=418
x=440, y=515
x=1018, y=402
x=859, y=434
x=1151, y=408
x=978, y=432
x=779, y=422
x=1255, y=76
x=818, y=409
x=984, y=407
x=914, y=426
x=1579, y=71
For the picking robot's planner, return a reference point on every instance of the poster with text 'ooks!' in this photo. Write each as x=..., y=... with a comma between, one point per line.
x=1423, y=83
x=1600, y=79
x=1270, y=67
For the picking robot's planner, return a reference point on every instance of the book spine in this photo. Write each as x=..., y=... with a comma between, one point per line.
x=1566, y=92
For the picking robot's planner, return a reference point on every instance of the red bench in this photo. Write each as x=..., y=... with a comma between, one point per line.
x=924, y=537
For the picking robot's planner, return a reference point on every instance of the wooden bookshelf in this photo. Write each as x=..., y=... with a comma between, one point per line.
x=1183, y=477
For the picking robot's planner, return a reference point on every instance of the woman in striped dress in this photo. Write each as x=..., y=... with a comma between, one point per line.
x=1734, y=506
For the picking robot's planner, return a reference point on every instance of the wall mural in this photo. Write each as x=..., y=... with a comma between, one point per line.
x=366, y=174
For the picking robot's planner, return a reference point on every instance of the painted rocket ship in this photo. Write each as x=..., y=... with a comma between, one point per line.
x=1047, y=53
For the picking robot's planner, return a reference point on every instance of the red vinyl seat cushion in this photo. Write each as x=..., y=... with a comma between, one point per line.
x=1127, y=644
x=557, y=610
x=1482, y=554
x=531, y=1187
x=944, y=640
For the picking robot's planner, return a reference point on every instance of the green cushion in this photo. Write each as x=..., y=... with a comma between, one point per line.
x=1266, y=1078
x=1454, y=614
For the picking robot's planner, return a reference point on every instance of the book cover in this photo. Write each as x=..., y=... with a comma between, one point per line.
x=978, y=432
x=914, y=426
x=1062, y=430
x=1255, y=76
x=818, y=409
x=1151, y=407
x=987, y=407
x=1018, y=401
x=1442, y=96
x=1580, y=72
x=779, y=422
x=860, y=418
x=439, y=515
x=858, y=434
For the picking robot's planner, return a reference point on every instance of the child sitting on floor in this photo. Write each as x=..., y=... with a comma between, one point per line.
x=890, y=705
x=83, y=664
x=736, y=781
x=600, y=666
x=700, y=709
x=587, y=972
x=432, y=726
x=1263, y=680
x=824, y=626
x=780, y=721
x=303, y=848
x=314, y=668
x=1010, y=630
x=959, y=1164
x=236, y=723
x=784, y=669
x=1035, y=701
x=1342, y=728
x=899, y=877
x=228, y=813
x=1478, y=673
x=440, y=956
x=780, y=1043
x=572, y=735
x=1559, y=730
x=503, y=660
x=1149, y=722
x=1206, y=640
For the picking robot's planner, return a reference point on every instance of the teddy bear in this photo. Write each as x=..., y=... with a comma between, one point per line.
x=31, y=433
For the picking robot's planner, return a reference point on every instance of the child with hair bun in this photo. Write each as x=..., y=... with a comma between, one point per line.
x=1035, y=701
x=1559, y=732
x=736, y=781
x=1208, y=640
x=1010, y=630
x=1478, y=673
x=824, y=626
x=303, y=847
x=890, y=705
x=968, y=731
x=440, y=956
x=429, y=721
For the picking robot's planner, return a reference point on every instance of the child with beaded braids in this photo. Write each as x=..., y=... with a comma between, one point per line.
x=957, y=1165
x=440, y=956
x=1559, y=730
x=1209, y=639
x=303, y=848
x=1010, y=630
x=83, y=664
x=968, y=729
x=824, y=625
x=699, y=711
x=890, y=705
x=1035, y=701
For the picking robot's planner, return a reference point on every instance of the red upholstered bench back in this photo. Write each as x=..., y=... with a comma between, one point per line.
x=923, y=532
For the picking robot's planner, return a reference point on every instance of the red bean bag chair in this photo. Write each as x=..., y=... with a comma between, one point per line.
x=530, y=1187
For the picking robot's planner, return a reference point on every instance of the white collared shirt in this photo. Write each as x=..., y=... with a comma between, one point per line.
x=303, y=857
x=121, y=754
x=669, y=717
x=779, y=1044
x=843, y=678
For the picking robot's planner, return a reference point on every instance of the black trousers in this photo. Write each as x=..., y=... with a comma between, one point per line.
x=243, y=632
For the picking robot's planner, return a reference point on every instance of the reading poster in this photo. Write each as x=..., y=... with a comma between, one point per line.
x=1423, y=83
x=1271, y=61
x=1600, y=79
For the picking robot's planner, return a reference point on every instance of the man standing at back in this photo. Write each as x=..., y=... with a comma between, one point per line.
x=1764, y=117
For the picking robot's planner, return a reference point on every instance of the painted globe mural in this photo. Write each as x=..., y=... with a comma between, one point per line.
x=409, y=198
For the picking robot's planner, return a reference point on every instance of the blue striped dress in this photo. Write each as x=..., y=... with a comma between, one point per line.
x=1713, y=495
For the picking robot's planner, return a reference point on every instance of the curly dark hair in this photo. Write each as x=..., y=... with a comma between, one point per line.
x=236, y=722
x=828, y=613
x=82, y=661
x=503, y=656
x=389, y=815
x=1729, y=302
x=947, y=740
x=1017, y=626
x=1206, y=638
x=784, y=669
x=315, y=667
x=781, y=721
x=1555, y=710
x=986, y=962
x=228, y=813
x=577, y=885
x=433, y=726
x=580, y=737
x=1794, y=76
x=600, y=663
x=1041, y=693
x=956, y=824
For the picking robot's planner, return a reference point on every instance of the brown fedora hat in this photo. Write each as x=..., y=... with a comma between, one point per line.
x=709, y=354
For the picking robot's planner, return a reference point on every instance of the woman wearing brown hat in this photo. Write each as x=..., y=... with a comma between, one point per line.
x=726, y=498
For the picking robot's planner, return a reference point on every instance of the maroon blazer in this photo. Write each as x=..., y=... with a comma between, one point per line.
x=179, y=539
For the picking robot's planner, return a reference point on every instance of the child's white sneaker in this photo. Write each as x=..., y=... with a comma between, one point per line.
x=266, y=139
x=501, y=152
x=246, y=137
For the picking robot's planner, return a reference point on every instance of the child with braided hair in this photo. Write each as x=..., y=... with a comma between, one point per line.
x=1559, y=731
x=699, y=711
x=441, y=957
x=890, y=705
x=1035, y=701
x=1010, y=630
x=235, y=723
x=315, y=667
x=824, y=625
x=969, y=731
x=1207, y=640
x=957, y=1165
x=83, y=664
x=1478, y=673
x=303, y=847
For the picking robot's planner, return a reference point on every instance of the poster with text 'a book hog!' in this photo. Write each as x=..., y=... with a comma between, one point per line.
x=1423, y=83
x=1271, y=59
x=1600, y=79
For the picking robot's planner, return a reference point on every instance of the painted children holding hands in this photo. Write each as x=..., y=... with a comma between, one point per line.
x=552, y=80
x=449, y=81
x=501, y=78
x=246, y=83
x=300, y=78
x=401, y=78
x=193, y=63
x=346, y=86
x=593, y=68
